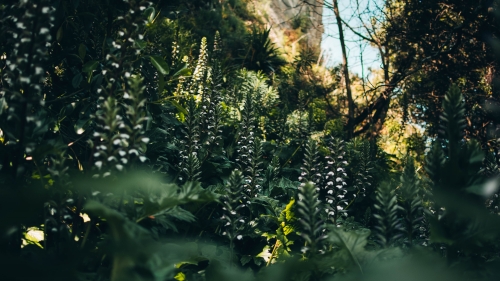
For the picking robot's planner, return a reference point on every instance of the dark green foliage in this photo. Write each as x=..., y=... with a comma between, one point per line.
x=24, y=119
x=249, y=149
x=311, y=224
x=234, y=201
x=411, y=203
x=260, y=53
x=490, y=169
x=131, y=150
x=453, y=115
x=335, y=180
x=435, y=159
x=388, y=224
x=311, y=169
x=361, y=167
x=459, y=218
x=190, y=165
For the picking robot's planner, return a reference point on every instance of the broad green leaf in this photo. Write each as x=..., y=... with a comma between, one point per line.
x=34, y=235
x=82, y=51
x=59, y=34
x=150, y=14
x=183, y=71
x=487, y=189
x=179, y=107
x=141, y=44
x=82, y=125
x=161, y=197
x=122, y=229
x=77, y=80
x=90, y=66
x=352, y=242
x=160, y=64
x=245, y=259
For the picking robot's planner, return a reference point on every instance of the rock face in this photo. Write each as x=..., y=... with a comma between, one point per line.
x=284, y=16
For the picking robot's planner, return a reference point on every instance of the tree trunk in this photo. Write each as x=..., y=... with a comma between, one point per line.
x=345, y=68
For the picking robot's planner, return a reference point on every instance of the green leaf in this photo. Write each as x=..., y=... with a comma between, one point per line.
x=150, y=14
x=183, y=71
x=90, y=66
x=77, y=80
x=122, y=229
x=82, y=51
x=161, y=197
x=438, y=232
x=82, y=125
x=245, y=259
x=160, y=64
x=59, y=34
x=34, y=235
x=179, y=107
x=351, y=242
x=169, y=217
x=486, y=189
x=141, y=44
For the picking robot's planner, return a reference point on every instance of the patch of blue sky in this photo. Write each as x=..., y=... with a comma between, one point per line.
x=361, y=56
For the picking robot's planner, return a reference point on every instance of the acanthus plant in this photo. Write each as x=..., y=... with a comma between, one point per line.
x=190, y=163
x=120, y=131
x=27, y=31
x=329, y=174
x=249, y=149
x=203, y=112
x=312, y=226
x=411, y=204
x=24, y=120
x=388, y=224
x=361, y=168
x=334, y=191
x=234, y=202
x=311, y=168
x=212, y=112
